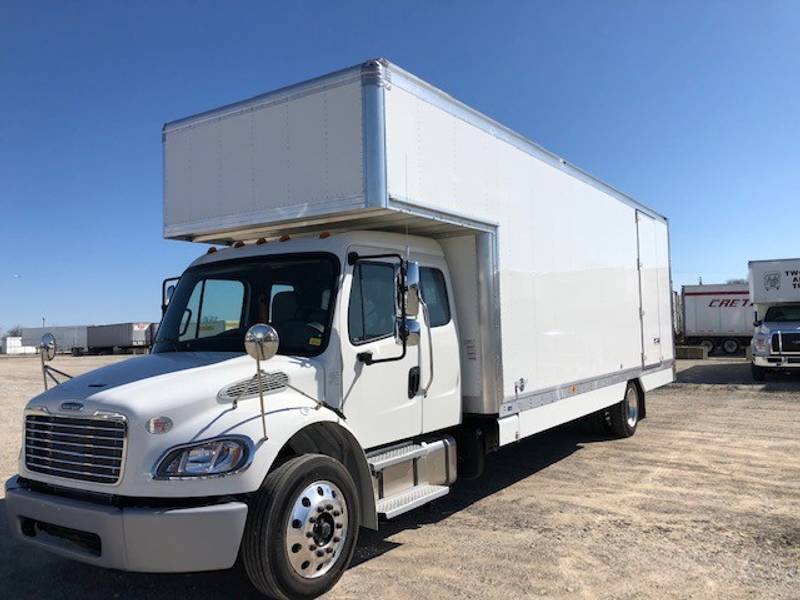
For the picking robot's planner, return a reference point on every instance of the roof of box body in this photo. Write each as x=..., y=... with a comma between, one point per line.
x=380, y=71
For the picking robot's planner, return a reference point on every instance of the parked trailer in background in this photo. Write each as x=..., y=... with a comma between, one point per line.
x=69, y=338
x=775, y=291
x=122, y=336
x=717, y=316
x=419, y=286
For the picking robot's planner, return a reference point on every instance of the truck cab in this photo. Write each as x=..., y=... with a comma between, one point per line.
x=775, y=293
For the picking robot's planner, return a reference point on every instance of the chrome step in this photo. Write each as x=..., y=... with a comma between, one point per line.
x=403, y=502
x=387, y=458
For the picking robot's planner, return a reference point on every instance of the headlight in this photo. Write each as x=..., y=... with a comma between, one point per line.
x=212, y=457
x=761, y=343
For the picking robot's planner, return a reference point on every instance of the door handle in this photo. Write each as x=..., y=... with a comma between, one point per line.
x=413, y=382
x=656, y=340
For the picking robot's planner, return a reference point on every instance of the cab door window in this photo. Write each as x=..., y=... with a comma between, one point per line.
x=371, y=313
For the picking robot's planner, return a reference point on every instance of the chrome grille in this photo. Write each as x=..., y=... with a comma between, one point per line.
x=247, y=388
x=86, y=449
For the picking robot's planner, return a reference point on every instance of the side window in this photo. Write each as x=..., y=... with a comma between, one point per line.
x=371, y=312
x=434, y=292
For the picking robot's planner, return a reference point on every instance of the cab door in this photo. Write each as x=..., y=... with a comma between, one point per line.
x=376, y=399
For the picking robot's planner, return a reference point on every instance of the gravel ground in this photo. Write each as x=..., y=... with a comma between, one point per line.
x=702, y=503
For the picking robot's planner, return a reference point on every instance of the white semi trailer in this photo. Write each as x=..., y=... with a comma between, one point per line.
x=775, y=291
x=717, y=316
x=419, y=286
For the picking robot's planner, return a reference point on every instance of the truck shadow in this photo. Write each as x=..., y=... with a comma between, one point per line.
x=31, y=573
x=737, y=373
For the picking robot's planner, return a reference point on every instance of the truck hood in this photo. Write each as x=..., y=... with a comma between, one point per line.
x=169, y=383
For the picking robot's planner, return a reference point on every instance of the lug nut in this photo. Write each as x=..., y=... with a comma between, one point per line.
x=309, y=534
x=336, y=539
x=320, y=553
x=338, y=526
x=312, y=547
x=329, y=506
x=312, y=520
x=329, y=550
x=320, y=509
x=336, y=513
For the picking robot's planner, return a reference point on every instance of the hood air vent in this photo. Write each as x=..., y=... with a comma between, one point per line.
x=248, y=388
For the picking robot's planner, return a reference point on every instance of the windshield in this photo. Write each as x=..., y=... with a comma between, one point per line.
x=783, y=314
x=213, y=305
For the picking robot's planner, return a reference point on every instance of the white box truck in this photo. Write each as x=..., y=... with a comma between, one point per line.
x=717, y=316
x=419, y=286
x=775, y=292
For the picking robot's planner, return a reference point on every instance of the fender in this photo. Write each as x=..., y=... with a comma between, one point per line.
x=332, y=439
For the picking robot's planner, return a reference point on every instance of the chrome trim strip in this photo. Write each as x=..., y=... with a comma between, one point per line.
x=491, y=339
x=248, y=443
x=553, y=394
x=373, y=133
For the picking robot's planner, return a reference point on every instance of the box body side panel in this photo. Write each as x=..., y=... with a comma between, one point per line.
x=567, y=251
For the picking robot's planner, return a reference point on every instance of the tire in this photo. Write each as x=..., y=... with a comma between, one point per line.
x=730, y=346
x=301, y=506
x=708, y=344
x=759, y=373
x=624, y=416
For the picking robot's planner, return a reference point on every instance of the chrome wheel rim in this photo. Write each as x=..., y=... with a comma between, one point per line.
x=631, y=407
x=317, y=529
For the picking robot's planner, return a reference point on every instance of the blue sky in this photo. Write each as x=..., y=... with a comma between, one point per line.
x=691, y=107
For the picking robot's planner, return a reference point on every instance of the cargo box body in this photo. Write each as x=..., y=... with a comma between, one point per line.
x=562, y=284
x=775, y=281
x=69, y=338
x=717, y=310
x=117, y=335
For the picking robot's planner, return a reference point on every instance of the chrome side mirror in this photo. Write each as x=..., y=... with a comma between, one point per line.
x=408, y=330
x=261, y=341
x=412, y=290
x=48, y=347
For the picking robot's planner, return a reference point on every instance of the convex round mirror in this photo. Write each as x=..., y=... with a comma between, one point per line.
x=261, y=341
x=48, y=346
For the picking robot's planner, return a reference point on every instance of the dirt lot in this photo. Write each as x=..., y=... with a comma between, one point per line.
x=704, y=502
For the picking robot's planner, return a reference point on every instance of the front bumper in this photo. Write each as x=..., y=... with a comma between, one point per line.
x=777, y=362
x=154, y=540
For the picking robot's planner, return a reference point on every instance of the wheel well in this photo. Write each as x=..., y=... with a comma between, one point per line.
x=335, y=441
x=643, y=403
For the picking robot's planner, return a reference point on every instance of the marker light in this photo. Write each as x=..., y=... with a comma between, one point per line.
x=158, y=425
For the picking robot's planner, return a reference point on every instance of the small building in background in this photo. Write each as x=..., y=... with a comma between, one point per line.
x=13, y=345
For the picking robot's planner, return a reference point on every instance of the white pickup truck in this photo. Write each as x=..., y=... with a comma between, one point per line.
x=418, y=286
x=775, y=292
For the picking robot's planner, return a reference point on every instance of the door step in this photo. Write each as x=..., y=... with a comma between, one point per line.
x=387, y=458
x=403, y=502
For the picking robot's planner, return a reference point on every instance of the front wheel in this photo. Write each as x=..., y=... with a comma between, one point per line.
x=301, y=528
x=624, y=416
x=759, y=373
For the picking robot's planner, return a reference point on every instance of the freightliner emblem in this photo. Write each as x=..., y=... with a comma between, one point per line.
x=71, y=406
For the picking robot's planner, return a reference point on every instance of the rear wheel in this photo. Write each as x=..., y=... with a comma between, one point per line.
x=731, y=346
x=301, y=528
x=708, y=344
x=759, y=373
x=624, y=416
